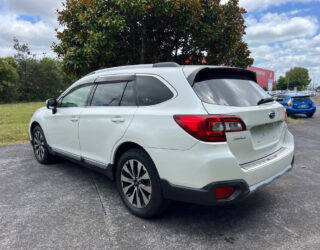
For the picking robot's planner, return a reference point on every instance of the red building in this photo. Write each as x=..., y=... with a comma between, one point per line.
x=265, y=77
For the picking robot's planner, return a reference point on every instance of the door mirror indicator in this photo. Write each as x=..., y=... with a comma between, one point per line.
x=52, y=104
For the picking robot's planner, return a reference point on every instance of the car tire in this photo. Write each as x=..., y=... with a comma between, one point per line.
x=310, y=115
x=138, y=184
x=40, y=146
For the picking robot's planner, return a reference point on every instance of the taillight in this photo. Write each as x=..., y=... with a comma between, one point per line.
x=210, y=128
x=290, y=102
x=285, y=114
x=224, y=192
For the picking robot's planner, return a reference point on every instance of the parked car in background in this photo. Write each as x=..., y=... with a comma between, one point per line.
x=201, y=134
x=296, y=103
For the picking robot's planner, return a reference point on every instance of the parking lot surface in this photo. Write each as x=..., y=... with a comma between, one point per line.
x=65, y=206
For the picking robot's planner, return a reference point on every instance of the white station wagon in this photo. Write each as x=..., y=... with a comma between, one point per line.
x=201, y=134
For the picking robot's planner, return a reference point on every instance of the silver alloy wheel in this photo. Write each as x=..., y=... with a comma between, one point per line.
x=39, y=145
x=136, y=183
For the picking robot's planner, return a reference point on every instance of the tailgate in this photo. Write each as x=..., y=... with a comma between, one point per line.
x=264, y=135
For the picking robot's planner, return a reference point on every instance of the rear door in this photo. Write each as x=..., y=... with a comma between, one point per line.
x=238, y=94
x=106, y=119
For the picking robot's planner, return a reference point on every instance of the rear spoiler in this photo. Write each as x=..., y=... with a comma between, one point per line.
x=206, y=73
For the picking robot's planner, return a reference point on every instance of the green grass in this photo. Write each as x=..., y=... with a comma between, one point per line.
x=14, y=120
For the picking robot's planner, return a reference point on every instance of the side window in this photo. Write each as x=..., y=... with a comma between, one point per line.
x=76, y=98
x=108, y=94
x=129, y=98
x=151, y=91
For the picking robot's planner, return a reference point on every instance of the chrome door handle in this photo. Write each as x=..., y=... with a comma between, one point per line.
x=117, y=120
x=74, y=119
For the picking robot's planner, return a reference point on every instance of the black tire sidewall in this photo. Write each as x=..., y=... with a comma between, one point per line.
x=156, y=203
x=46, y=151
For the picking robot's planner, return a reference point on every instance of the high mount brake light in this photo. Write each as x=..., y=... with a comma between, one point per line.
x=210, y=128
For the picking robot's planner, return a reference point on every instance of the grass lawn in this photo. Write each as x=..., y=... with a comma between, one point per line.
x=14, y=120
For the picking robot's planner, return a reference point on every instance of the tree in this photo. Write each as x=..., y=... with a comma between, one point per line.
x=8, y=80
x=101, y=33
x=38, y=79
x=296, y=77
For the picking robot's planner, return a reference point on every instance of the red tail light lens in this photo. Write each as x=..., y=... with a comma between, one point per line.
x=285, y=114
x=210, y=128
x=224, y=192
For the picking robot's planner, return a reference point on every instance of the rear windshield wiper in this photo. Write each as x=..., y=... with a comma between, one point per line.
x=265, y=100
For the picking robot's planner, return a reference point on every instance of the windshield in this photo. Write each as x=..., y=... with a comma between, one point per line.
x=230, y=92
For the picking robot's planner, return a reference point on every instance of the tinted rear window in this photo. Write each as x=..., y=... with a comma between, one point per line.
x=151, y=91
x=108, y=94
x=301, y=99
x=230, y=92
x=129, y=98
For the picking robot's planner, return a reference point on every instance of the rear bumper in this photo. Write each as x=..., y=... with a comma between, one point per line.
x=293, y=111
x=207, y=194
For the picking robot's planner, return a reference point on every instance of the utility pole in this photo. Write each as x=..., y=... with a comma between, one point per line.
x=288, y=82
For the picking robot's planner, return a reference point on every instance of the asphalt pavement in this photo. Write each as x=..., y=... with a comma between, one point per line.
x=66, y=206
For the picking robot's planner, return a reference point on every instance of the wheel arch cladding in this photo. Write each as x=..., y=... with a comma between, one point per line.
x=33, y=125
x=124, y=147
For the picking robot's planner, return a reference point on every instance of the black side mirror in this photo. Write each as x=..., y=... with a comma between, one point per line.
x=52, y=104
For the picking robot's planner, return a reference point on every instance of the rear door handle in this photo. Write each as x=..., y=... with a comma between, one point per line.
x=74, y=119
x=117, y=119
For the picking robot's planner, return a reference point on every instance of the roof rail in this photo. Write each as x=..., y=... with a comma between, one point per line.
x=120, y=67
x=155, y=65
x=165, y=64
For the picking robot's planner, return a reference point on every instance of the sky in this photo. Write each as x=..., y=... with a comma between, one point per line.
x=281, y=34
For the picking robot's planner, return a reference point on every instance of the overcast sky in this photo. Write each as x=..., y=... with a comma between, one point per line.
x=281, y=33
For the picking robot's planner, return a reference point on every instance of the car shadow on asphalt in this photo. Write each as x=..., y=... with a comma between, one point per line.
x=180, y=211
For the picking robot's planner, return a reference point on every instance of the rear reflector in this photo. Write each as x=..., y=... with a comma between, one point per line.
x=210, y=128
x=224, y=192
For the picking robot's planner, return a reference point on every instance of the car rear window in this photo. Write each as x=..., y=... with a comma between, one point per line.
x=108, y=94
x=230, y=92
x=301, y=99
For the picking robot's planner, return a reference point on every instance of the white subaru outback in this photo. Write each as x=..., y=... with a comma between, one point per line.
x=201, y=134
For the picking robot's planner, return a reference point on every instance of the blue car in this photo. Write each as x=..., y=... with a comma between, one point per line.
x=297, y=104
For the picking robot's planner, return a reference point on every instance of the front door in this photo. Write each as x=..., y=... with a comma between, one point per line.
x=62, y=126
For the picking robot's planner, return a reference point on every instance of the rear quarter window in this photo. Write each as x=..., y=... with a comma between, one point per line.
x=151, y=91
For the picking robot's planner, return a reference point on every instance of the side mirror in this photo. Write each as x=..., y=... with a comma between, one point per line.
x=52, y=104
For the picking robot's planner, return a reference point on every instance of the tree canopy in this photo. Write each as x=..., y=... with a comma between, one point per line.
x=297, y=77
x=99, y=33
